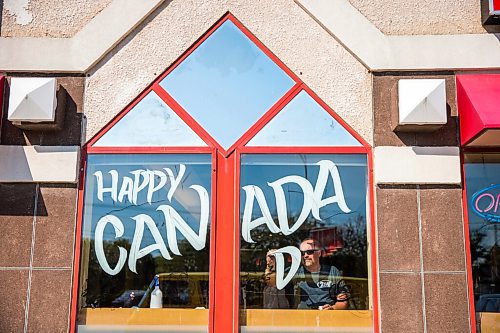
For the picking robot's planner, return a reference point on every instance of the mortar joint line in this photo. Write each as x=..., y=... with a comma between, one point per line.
x=32, y=254
x=420, y=243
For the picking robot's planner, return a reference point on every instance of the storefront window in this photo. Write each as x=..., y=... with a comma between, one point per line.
x=303, y=242
x=209, y=131
x=482, y=172
x=146, y=218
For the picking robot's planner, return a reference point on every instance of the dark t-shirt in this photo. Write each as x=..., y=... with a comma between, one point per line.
x=317, y=289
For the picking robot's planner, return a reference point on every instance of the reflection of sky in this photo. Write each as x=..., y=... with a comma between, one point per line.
x=150, y=123
x=478, y=177
x=185, y=200
x=303, y=122
x=261, y=169
x=227, y=84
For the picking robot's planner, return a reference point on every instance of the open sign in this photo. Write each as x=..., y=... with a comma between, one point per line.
x=486, y=202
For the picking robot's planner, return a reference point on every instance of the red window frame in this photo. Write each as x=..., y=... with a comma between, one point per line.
x=224, y=244
x=468, y=255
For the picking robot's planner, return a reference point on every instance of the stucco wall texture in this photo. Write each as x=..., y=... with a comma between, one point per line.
x=322, y=63
x=424, y=17
x=47, y=18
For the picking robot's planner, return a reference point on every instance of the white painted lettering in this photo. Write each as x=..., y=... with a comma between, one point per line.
x=127, y=189
x=326, y=168
x=281, y=280
x=135, y=251
x=175, y=222
x=100, y=184
x=313, y=201
x=174, y=181
x=254, y=192
x=99, y=244
x=139, y=186
x=307, y=189
x=152, y=188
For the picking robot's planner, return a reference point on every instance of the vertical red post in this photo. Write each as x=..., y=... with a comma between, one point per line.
x=225, y=315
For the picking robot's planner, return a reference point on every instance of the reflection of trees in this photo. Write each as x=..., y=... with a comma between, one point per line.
x=485, y=260
x=253, y=254
x=190, y=261
x=102, y=288
x=477, y=250
x=350, y=258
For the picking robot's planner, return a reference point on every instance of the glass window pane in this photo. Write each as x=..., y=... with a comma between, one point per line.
x=482, y=172
x=146, y=222
x=150, y=123
x=227, y=84
x=303, y=122
x=304, y=243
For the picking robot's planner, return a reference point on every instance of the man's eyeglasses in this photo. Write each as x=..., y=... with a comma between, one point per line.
x=309, y=252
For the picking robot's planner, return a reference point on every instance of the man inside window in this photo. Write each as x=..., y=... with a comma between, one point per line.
x=318, y=286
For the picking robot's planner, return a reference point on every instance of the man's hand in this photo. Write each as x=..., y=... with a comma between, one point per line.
x=326, y=307
x=342, y=297
x=341, y=303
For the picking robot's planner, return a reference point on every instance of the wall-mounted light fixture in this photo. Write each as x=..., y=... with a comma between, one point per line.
x=421, y=104
x=35, y=103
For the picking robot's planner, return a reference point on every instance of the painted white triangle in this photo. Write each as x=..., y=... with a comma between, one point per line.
x=413, y=91
x=150, y=123
x=303, y=122
x=27, y=108
x=422, y=101
x=37, y=96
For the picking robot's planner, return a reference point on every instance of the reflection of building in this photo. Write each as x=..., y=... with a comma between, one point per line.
x=330, y=238
x=412, y=90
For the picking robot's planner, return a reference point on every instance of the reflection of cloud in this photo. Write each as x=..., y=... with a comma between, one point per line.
x=227, y=51
x=150, y=123
x=227, y=80
x=188, y=199
x=317, y=127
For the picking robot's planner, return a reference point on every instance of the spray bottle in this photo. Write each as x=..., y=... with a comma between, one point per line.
x=156, y=295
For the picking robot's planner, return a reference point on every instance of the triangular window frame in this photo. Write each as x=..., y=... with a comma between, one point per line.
x=199, y=130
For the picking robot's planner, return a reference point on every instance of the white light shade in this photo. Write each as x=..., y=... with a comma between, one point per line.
x=422, y=101
x=32, y=99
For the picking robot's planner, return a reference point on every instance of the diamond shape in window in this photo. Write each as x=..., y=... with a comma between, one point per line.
x=227, y=83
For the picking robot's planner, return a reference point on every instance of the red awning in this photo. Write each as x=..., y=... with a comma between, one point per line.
x=478, y=101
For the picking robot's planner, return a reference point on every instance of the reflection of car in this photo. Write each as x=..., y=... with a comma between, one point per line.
x=488, y=303
x=487, y=309
x=180, y=290
x=128, y=299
